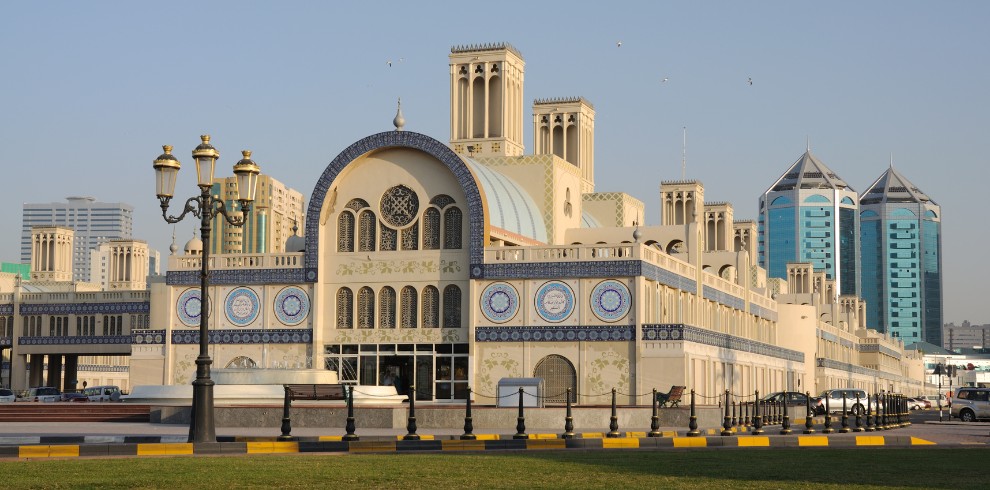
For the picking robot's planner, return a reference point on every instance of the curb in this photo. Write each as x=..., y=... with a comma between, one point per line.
x=388, y=445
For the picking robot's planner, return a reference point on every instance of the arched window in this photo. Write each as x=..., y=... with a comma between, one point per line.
x=558, y=375
x=345, y=232
x=386, y=308
x=452, y=228
x=345, y=308
x=410, y=237
x=389, y=240
x=431, y=229
x=408, y=319
x=366, y=308
x=431, y=307
x=451, y=307
x=367, y=238
x=51, y=326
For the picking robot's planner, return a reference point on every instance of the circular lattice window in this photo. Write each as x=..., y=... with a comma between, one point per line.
x=399, y=206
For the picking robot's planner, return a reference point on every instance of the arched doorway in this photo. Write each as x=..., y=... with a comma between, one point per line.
x=558, y=375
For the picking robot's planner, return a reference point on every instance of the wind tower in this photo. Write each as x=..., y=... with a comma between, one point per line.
x=566, y=127
x=486, y=89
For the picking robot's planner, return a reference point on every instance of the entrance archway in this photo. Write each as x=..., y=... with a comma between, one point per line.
x=558, y=375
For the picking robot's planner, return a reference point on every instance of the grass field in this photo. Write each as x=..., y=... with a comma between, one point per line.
x=709, y=469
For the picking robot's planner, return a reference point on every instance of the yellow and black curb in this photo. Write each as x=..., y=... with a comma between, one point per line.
x=483, y=443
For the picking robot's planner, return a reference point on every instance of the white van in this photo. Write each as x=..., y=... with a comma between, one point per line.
x=102, y=393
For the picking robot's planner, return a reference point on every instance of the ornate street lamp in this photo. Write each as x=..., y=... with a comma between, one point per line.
x=205, y=207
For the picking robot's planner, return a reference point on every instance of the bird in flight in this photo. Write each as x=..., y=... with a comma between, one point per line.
x=664, y=80
x=618, y=44
x=750, y=80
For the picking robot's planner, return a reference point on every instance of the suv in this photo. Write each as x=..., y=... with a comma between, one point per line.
x=835, y=401
x=45, y=394
x=6, y=395
x=970, y=404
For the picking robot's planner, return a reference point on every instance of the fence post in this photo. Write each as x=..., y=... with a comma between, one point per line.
x=726, y=420
x=693, y=423
x=286, y=421
x=859, y=414
x=809, y=422
x=568, y=420
x=521, y=419
x=613, y=421
x=757, y=419
x=655, y=419
x=845, y=417
x=349, y=426
x=735, y=421
x=468, y=434
x=828, y=417
x=785, y=423
x=411, y=425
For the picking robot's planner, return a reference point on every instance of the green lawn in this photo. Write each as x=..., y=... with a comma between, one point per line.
x=714, y=468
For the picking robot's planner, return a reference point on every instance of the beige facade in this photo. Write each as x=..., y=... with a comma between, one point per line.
x=452, y=266
x=276, y=211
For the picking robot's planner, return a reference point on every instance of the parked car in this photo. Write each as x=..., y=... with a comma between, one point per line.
x=7, y=396
x=45, y=394
x=916, y=403
x=102, y=393
x=933, y=400
x=971, y=404
x=853, y=405
x=793, y=398
x=74, y=397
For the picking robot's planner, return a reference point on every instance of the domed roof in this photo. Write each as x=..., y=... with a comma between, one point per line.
x=295, y=243
x=509, y=206
x=194, y=246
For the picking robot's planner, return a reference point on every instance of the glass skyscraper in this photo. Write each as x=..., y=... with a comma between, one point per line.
x=811, y=215
x=902, y=259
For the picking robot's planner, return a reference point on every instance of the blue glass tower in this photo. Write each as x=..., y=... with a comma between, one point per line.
x=902, y=259
x=811, y=215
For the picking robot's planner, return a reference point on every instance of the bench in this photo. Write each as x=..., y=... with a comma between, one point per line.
x=672, y=398
x=307, y=392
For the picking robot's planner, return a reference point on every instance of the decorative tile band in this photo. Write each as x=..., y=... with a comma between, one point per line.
x=558, y=270
x=85, y=308
x=84, y=340
x=688, y=333
x=879, y=348
x=146, y=337
x=669, y=278
x=397, y=139
x=762, y=312
x=597, y=333
x=6, y=341
x=103, y=368
x=7, y=309
x=843, y=366
x=722, y=297
x=237, y=277
x=247, y=336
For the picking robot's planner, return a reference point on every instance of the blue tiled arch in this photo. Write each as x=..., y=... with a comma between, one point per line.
x=396, y=139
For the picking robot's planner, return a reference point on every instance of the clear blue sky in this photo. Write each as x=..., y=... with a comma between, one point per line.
x=89, y=91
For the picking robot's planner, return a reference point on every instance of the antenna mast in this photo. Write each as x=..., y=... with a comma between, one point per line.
x=684, y=155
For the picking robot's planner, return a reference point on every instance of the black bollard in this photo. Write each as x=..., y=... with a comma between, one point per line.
x=655, y=419
x=746, y=420
x=726, y=420
x=785, y=422
x=411, y=424
x=569, y=421
x=757, y=419
x=828, y=418
x=613, y=421
x=845, y=416
x=859, y=414
x=693, y=421
x=286, y=422
x=869, y=411
x=735, y=421
x=809, y=416
x=468, y=434
x=520, y=420
x=349, y=427
x=906, y=410
x=881, y=412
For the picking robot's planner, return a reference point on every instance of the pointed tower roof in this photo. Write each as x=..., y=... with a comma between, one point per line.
x=808, y=172
x=893, y=187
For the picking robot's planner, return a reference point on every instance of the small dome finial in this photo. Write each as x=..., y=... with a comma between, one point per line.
x=399, y=122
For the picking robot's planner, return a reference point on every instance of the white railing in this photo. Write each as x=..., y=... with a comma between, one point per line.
x=589, y=253
x=238, y=261
x=96, y=297
x=716, y=282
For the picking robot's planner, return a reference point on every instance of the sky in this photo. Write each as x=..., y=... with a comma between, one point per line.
x=90, y=91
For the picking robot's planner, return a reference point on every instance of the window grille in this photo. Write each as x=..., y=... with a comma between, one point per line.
x=558, y=375
x=408, y=307
x=345, y=308
x=366, y=308
x=345, y=232
x=386, y=308
x=410, y=237
x=431, y=307
x=366, y=239
x=431, y=229
x=389, y=239
x=451, y=307
x=452, y=228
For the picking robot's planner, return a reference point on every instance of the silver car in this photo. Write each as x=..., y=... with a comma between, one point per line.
x=970, y=404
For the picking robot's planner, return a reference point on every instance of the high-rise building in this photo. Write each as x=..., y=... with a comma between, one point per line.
x=275, y=211
x=93, y=223
x=811, y=215
x=902, y=259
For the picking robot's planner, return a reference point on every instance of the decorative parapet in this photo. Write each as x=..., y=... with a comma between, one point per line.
x=81, y=340
x=85, y=308
x=247, y=336
x=563, y=100
x=471, y=48
x=687, y=333
x=594, y=333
